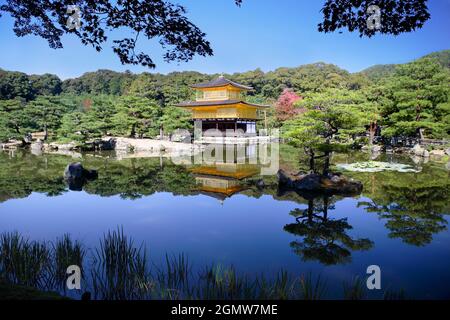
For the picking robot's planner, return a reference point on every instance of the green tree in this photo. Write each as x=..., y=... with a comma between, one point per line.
x=46, y=113
x=13, y=119
x=175, y=118
x=73, y=127
x=137, y=117
x=45, y=85
x=15, y=85
x=420, y=94
x=98, y=120
x=332, y=118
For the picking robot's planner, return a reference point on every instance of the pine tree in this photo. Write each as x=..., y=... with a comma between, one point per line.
x=137, y=117
x=46, y=113
x=333, y=117
x=420, y=95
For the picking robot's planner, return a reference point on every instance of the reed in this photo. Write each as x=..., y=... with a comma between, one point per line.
x=219, y=283
x=355, y=289
x=66, y=253
x=391, y=294
x=119, y=269
x=173, y=280
x=311, y=289
x=25, y=262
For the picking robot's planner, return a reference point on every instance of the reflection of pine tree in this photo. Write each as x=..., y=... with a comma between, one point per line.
x=412, y=214
x=324, y=239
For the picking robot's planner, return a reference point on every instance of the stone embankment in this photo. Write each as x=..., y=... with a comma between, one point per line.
x=125, y=147
x=417, y=150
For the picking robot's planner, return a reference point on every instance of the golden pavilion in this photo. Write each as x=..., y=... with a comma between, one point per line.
x=219, y=105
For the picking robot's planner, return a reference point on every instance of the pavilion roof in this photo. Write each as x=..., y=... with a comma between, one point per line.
x=220, y=82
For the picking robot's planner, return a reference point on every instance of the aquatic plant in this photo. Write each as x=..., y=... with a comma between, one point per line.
x=67, y=253
x=25, y=262
x=355, y=289
x=310, y=289
x=391, y=294
x=172, y=282
x=119, y=269
x=220, y=283
x=376, y=166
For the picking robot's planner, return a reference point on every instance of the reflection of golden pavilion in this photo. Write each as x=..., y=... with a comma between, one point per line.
x=224, y=179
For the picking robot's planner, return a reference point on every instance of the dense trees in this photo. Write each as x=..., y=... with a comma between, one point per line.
x=99, y=82
x=15, y=85
x=137, y=117
x=420, y=95
x=13, y=120
x=45, y=113
x=410, y=99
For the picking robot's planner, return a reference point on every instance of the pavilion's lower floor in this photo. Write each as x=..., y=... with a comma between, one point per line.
x=225, y=127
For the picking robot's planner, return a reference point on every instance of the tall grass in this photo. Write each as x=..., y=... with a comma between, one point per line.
x=67, y=253
x=219, y=283
x=173, y=280
x=121, y=270
x=25, y=262
x=355, y=289
x=311, y=289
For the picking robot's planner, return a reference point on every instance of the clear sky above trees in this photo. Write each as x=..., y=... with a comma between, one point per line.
x=290, y=27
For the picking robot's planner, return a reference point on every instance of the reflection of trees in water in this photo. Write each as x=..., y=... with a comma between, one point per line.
x=131, y=178
x=413, y=213
x=323, y=239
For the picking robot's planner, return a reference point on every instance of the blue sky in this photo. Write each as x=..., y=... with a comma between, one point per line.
x=264, y=34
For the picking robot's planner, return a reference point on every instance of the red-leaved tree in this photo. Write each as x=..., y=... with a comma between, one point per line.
x=285, y=108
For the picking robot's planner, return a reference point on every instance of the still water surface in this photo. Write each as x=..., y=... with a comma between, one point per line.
x=232, y=215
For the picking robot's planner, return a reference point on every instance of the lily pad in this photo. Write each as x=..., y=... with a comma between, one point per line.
x=376, y=166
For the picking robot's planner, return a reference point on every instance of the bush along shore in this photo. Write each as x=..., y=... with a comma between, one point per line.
x=119, y=269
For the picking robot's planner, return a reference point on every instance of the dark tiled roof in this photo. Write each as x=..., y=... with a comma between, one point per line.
x=220, y=82
x=216, y=103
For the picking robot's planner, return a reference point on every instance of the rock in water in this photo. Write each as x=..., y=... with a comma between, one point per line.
x=260, y=184
x=76, y=176
x=317, y=183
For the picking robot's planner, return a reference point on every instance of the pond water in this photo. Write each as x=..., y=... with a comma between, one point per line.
x=234, y=213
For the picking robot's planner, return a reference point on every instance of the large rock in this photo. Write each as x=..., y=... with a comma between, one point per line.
x=437, y=153
x=317, y=183
x=37, y=147
x=419, y=151
x=76, y=175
